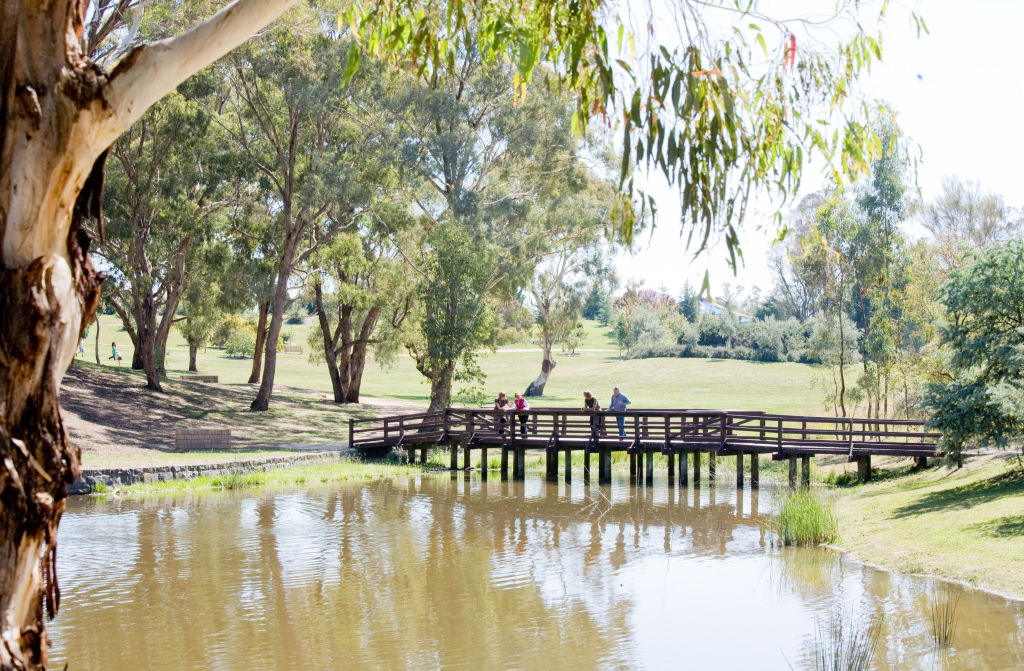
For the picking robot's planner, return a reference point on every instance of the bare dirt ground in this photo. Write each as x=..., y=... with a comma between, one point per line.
x=116, y=421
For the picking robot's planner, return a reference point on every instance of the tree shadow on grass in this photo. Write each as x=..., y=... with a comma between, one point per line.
x=1004, y=527
x=965, y=496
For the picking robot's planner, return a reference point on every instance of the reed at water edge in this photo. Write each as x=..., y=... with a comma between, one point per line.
x=804, y=519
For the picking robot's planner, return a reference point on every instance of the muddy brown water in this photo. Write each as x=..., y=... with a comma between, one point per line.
x=433, y=573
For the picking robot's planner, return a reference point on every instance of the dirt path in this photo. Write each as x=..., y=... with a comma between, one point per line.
x=116, y=421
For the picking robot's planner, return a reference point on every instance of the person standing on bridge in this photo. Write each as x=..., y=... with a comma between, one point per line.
x=591, y=405
x=500, y=404
x=618, y=404
x=521, y=404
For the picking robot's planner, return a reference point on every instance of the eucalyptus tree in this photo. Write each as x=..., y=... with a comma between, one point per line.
x=364, y=294
x=295, y=124
x=577, y=259
x=61, y=109
x=164, y=192
x=479, y=162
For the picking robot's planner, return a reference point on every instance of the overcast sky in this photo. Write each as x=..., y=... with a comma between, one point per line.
x=958, y=95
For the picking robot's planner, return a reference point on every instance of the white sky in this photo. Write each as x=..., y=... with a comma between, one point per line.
x=957, y=94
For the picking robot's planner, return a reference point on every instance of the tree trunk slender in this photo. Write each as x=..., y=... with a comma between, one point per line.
x=261, y=340
x=97, y=344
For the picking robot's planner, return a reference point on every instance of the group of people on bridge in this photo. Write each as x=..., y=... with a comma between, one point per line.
x=618, y=403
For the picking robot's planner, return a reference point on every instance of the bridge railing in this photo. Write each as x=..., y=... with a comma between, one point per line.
x=392, y=430
x=700, y=428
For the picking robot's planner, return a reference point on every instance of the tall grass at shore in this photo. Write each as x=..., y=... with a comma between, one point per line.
x=846, y=645
x=942, y=609
x=804, y=519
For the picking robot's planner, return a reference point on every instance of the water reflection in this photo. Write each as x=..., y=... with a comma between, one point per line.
x=457, y=574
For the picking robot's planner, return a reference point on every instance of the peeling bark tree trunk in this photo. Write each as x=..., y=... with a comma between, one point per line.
x=536, y=387
x=193, y=351
x=262, y=400
x=58, y=115
x=261, y=341
x=441, y=388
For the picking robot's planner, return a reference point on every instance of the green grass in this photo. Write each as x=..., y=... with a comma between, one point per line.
x=966, y=525
x=670, y=382
x=285, y=476
x=804, y=519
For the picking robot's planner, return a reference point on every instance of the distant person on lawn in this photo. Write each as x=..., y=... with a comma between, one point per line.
x=113, y=353
x=500, y=404
x=618, y=404
x=521, y=404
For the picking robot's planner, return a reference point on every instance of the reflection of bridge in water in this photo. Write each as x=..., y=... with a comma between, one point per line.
x=681, y=435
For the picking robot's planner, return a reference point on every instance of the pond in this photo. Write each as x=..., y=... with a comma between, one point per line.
x=432, y=572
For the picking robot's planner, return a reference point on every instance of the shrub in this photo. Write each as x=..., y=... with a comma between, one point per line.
x=241, y=343
x=717, y=330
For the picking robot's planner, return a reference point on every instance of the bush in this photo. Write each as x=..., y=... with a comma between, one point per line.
x=241, y=343
x=293, y=320
x=717, y=330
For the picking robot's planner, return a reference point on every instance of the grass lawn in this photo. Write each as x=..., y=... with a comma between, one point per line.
x=650, y=383
x=966, y=524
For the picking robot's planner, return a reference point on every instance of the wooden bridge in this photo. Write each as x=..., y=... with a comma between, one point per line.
x=682, y=435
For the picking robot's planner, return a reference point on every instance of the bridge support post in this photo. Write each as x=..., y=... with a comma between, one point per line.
x=671, y=468
x=632, y=466
x=755, y=470
x=504, y=463
x=483, y=464
x=519, y=465
x=412, y=455
x=423, y=455
x=551, y=464
x=649, y=470
x=920, y=462
x=466, y=456
x=696, y=469
x=568, y=465
x=453, y=454
x=683, y=469
x=712, y=465
x=805, y=471
x=739, y=470
x=864, y=468
x=604, y=467
x=792, y=472
x=586, y=466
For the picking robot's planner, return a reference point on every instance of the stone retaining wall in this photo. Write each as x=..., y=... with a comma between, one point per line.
x=114, y=478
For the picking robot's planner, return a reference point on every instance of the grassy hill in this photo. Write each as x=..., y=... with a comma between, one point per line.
x=651, y=383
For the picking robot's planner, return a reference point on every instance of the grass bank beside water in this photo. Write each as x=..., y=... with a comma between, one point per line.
x=962, y=524
x=299, y=475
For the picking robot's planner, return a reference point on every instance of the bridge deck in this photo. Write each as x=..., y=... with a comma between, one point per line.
x=666, y=431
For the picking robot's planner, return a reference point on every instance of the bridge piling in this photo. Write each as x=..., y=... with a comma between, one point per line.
x=605, y=467
x=739, y=470
x=551, y=464
x=755, y=470
x=805, y=471
x=696, y=468
x=504, y=463
x=649, y=473
x=712, y=465
x=864, y=468
x=519, y=465
x=632, y=466
x=683, y=469
x=483, y=464
x=453, y=455
x=671, y=469
x=423, y=455
x=466, y=450
x=792, y=472
x=586, y=466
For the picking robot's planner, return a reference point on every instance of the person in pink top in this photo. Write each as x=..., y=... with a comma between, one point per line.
x=520, y=402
